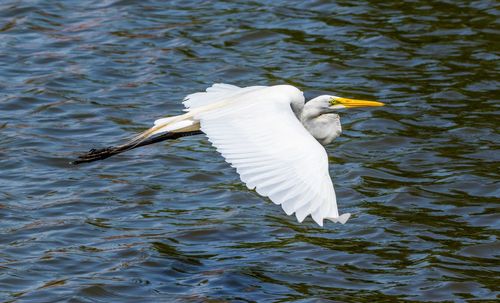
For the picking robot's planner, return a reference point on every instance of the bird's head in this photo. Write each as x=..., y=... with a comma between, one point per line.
x=328, y=102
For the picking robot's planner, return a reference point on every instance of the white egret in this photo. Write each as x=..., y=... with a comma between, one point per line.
x=270, y=135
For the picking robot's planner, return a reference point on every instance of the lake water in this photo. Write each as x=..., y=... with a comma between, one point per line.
x=172, y=222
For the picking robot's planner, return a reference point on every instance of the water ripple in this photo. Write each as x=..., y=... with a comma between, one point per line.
x=173, y=222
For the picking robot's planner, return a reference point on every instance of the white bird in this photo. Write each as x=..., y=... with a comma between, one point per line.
x=270, y=135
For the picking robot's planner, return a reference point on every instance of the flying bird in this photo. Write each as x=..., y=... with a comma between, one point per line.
x=270, y=135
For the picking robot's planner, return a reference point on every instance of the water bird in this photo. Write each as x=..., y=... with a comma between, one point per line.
x=270, y=135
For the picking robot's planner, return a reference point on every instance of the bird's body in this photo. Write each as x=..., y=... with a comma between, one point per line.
x=271, y=136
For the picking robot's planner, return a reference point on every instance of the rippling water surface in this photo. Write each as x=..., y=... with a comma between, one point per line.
x=172, y=222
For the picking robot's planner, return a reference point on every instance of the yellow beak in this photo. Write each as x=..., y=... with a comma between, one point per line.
x=350, y=103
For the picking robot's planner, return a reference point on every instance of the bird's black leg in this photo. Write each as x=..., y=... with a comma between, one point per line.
x=103, y=153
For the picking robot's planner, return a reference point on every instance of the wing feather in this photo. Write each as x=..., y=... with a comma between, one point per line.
x=259, y=135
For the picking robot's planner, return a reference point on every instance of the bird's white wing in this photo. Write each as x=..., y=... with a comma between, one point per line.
x=273, y=153
x=215, y=93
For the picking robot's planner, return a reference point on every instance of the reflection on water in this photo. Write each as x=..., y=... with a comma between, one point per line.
x=173, y=222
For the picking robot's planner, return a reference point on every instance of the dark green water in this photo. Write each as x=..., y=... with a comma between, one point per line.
x=172, y=222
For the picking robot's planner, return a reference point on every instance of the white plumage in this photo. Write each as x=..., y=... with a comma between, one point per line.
x=269, y=134
x=256, y=131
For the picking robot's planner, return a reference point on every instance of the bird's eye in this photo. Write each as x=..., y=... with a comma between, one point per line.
x=334, y=102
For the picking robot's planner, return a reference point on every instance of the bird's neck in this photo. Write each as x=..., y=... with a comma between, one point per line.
x=313, y=109
x=297, y=107
x=323, y=125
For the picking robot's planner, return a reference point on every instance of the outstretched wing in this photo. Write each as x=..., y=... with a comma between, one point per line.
x=259, y=135
x=215, y=93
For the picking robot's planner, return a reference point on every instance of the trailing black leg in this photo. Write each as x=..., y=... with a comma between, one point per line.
x=103, y=153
